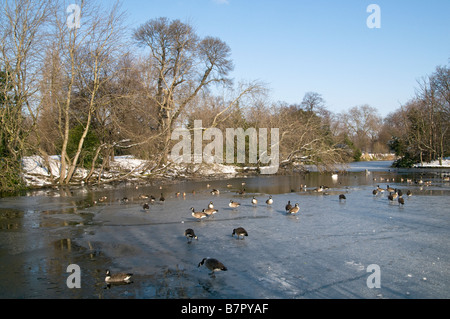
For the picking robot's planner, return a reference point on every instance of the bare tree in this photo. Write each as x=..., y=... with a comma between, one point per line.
x=306, y=135
x=86, y=53
x=307, y=139
x=363, y=124
x=313, y=102
x=184, y=64
x=429, y=116
x=440, y=98
x=425, y=119
x=22, y=39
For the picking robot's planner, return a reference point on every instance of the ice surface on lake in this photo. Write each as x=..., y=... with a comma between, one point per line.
x=321, y=252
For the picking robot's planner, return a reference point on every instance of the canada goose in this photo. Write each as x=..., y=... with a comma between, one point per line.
x=401, y=200
x=254, y=201
x=215, y=192
x=210, y=211
x=212, y=264
x=229, y=185
x=379, y=189
x=409, y=193
x=143, y=196
x=374, y=192
x=241, y=192
x=294, y=210
x=288, y=206
x=198, y=215
x=240, y=231
x=390, y=189
x=162, y=199
x=152, y=199
x=117, y=278
x=234, y=204
x=342, y=197
x=269, y=201
x=190, y=234
x=145, y=206
x=210, y=205
x=392, y=196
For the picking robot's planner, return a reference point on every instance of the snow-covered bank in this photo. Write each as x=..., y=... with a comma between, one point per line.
x=39, y=173
x=434, y=164
x=377, y=157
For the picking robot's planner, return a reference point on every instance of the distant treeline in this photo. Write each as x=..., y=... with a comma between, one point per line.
x=100, y=89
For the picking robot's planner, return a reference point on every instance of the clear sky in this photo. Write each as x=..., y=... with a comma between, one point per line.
x=325, y=46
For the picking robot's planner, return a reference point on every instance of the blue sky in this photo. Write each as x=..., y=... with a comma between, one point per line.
x=325, y=46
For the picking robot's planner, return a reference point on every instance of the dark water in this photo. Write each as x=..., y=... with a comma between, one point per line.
x=322, y=252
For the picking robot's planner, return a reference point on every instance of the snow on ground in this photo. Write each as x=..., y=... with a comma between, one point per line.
x=434, y=164
x=37, y=172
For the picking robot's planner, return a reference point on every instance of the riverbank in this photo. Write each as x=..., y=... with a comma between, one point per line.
x=38, y=173
x=434, y=164
x=378, y=157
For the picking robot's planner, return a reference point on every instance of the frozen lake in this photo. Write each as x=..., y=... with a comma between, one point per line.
x=322, y=252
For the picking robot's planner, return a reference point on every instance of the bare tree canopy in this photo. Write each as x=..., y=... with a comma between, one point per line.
x=424, y=122
x=184, y=64
x=313, y=101
x=22, y=40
